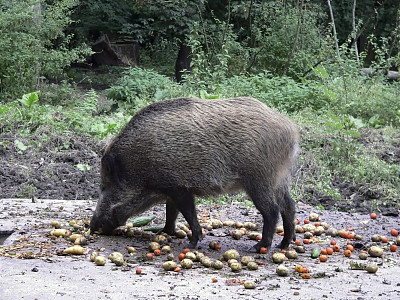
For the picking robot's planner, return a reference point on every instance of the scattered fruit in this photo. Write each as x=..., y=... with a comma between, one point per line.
x=74, y=250
x=231, y=254
x=153, y=246
x=282, y=270
x=375, y=251
x=373, y=215
x=157, y=252
x=384, y=239
x=149, y=256
x=394, y=232
x=323, y=258
x=347, y=253
x=60, y=232
x=248, y=284
x=100, y=260
x=141, y=221
x=252, y=265
x=246, y=259
x=55, y=224
x=376, y=238
x=316, y=252
x=291, y=254
x=218, y=265
x=363, y=256
x=393, y=248
x=263, y=250
x=278, y=257
x=313, y=217
x=93, y=255
x=138, y=271
x=169, y=265
x=187, y=263
x=371, y=268
x=235, y=266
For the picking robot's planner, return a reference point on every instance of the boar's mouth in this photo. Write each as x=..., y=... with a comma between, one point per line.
x=102, y=226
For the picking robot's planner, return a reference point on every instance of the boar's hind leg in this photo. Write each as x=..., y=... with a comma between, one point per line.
x=183, y=200
x=264, y=202
x=172, y=213
x=288, y=210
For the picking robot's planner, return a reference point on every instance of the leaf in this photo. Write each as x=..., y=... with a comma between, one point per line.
x=83, y=167
x=20, y=145
x=30, y=99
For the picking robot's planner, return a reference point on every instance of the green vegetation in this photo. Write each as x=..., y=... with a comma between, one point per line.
x=282, y=53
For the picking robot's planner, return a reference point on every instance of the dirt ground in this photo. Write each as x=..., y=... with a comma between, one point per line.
x=33, y=267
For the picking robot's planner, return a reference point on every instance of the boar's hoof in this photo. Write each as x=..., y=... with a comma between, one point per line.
x=169, y=231
x=283, y=245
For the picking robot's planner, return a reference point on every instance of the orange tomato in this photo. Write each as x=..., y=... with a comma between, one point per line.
x=329, y=251
x=350, y=247
x=306, y=221
x=336, y=248
x=306, y=276
x=186, y=250
x=324, y=252
x=217, y=247
x=384, y=239
x=283, y=251
x=149, y=256
x=181, y=256
x=263, y=250
x=138, y=271
x=373, y=215
x=157, y=252
x=344, y=235
x=351, y=235
x=297, y=242
x=306, y=241
x=298, y=268
x=305, y=270
x=347, y=253
x=394, y=232
x=214, y=280
x=177, y=269
x=323, y=258
x=333, y=242
x=393, y=248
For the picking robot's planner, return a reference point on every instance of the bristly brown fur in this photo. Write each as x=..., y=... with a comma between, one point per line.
x=177, y=149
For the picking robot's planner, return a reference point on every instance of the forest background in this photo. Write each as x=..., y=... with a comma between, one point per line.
x=331, y=66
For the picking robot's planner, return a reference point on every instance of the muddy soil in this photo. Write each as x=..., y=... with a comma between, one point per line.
x=33, y=266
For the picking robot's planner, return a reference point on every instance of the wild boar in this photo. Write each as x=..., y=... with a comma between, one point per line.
x=174, y=150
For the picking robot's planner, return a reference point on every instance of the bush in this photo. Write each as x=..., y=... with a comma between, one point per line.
x=33, y=44
x=140, y=87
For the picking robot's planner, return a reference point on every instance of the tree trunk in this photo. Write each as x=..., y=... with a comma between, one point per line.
x=354, y=32
x=334, y=28
x=183, y=62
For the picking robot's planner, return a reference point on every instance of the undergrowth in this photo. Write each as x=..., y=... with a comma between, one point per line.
x=333, y=120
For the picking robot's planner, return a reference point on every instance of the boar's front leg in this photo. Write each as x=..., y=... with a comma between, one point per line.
x=183, y=200
x=172, y=213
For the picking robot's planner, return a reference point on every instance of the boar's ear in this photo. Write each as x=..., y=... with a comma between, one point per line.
x=108, y=168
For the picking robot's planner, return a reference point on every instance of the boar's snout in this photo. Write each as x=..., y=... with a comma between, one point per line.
x=102, y=225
